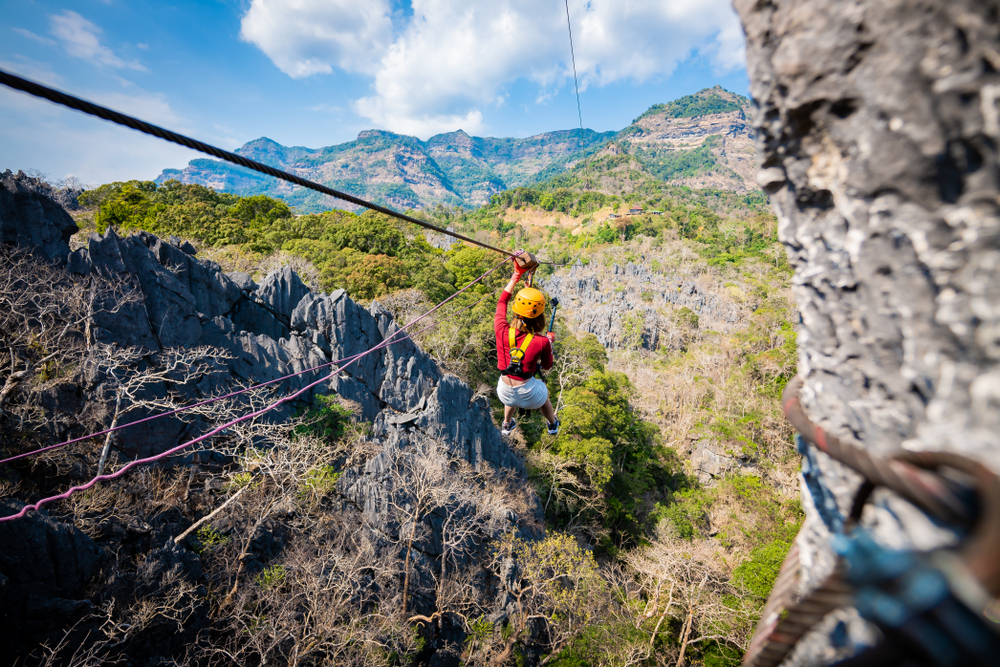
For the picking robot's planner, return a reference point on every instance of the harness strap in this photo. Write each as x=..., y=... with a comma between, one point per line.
x=523, y=348
x=515, y=366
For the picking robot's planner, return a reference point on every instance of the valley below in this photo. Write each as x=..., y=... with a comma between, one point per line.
x=370, y=512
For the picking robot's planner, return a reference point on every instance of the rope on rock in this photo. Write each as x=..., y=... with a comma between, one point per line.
x=936, y=495
x=346, y=360
x=337, y=369
x=786, y=618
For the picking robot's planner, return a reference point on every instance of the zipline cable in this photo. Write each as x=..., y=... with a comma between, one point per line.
x=579, y=111
x=52, y=95
x=388, y=341
x=257, y=413
x=572, y=53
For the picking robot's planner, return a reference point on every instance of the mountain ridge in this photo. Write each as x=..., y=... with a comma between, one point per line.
x=671, y=142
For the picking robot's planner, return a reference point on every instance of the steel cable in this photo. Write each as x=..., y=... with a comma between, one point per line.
x=786, y=620
x=932, y=493
x=52, y=95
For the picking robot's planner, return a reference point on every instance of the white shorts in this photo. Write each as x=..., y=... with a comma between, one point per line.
x=531, y=395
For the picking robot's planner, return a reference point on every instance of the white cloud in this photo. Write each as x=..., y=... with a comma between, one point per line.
x=452, y=58
x=32, y=69
x=35, y=134
x=38, y=38
x=304, y=37
x=151, y=107
x=82, y=39
x=729, y=48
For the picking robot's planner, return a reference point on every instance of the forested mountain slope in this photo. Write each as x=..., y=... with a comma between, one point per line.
x=702, y=140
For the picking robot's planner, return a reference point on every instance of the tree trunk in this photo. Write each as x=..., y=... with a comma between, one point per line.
x=877, y=131
x=685, y=633
x=406, y=568
x=107, y=438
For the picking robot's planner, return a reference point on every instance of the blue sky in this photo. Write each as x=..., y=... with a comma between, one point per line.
x=316, y=72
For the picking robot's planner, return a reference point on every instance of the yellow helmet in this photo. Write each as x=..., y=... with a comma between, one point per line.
x=529, y=303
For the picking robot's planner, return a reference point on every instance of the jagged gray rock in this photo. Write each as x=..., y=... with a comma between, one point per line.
x=711, y=460
x=45, y=567
x=243, y=280
x=272, y=330
x=603, y=308
x=877, y=133
x=33, y=220
x=282, y=290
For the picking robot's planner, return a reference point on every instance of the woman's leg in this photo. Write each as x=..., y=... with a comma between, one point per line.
x=504, y=393
x=548, y=412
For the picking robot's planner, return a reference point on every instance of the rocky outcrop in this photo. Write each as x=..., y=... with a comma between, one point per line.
x=635, y=306
x=32, y=220
x=732, y=146
x=265, y=332
x=278, y=328
x=711, y=460
x=45, y=567
x=877, y=132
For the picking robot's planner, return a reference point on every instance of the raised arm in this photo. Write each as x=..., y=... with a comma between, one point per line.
x=518, y=272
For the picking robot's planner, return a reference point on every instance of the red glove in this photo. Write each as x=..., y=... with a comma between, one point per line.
x=551, y=336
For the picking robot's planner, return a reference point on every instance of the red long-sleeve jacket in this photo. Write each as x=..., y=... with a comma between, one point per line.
x=539, y=350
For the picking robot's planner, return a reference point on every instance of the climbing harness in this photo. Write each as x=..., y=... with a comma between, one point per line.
x=516, y=365
x=927, y=605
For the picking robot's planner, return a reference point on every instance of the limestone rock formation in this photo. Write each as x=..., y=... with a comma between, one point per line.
x=45, y=567
x=636, y=307
x=268, y=331
x=279, y=328
x=877, y=131
x=711, y=459
x=33, y=220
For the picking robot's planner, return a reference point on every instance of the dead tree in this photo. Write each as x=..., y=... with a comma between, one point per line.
x=140, y=382
x=44, y=315
x=682, y=581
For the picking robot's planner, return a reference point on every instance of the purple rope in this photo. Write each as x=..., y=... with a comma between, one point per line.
x=170, y=452
x=384, y=343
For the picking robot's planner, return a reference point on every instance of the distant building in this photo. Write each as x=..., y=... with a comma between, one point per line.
x=655, y=212
x=635, y=211
x=613, y=216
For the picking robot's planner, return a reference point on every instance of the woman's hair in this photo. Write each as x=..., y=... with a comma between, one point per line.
x=535, y=325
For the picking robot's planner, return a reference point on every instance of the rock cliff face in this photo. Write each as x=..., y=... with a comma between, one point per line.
x=877, y=133
x=30, y=220
x=267, y=331
x=631, y=305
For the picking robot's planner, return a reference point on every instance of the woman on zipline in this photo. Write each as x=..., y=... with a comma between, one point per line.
x=520, y=348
